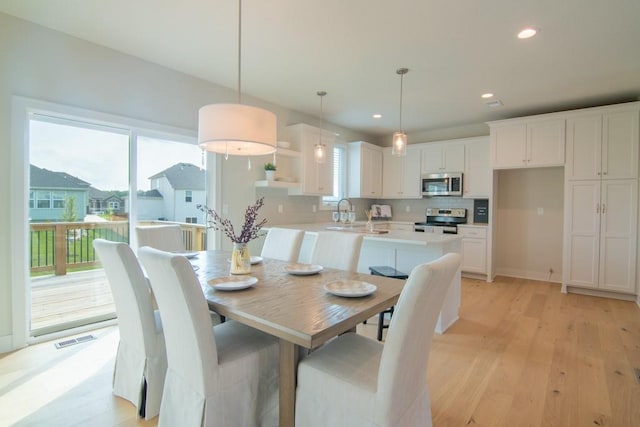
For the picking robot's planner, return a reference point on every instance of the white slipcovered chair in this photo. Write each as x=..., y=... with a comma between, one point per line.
x=164, y=237
x=357, y=381
x=141, y=361
x=283, y=244
x=334, y=249
x=225, y=375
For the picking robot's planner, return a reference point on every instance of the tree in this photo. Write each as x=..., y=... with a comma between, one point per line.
x=69, y=214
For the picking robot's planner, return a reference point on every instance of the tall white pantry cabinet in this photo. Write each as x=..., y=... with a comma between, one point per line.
x=601, y=200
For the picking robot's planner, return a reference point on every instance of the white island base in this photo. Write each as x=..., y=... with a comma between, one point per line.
x=402, y=250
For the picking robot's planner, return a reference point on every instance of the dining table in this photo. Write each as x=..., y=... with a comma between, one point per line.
x=298, y=304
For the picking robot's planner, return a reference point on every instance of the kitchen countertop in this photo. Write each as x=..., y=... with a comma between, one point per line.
x=393, y=236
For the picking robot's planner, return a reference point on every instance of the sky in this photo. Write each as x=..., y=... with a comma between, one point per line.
x=101, y=157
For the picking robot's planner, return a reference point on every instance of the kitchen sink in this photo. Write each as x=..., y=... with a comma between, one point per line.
x=358, y=229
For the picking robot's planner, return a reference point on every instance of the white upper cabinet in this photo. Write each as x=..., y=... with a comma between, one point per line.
x=316, y=179
x=524, y=143
x=365, y=170
x=447, y=157
x=602, y=146
x=476, y=181
x=401, y=175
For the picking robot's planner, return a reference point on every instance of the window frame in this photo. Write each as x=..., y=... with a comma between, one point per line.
x=327, y=203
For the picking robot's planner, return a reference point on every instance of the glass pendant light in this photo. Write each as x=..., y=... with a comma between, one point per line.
x=320, y=150
x=399, y=147
x=236, y=129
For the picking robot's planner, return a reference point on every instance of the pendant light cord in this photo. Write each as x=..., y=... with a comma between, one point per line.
x=402, y=72
x=321, y=94
x=239, y=51
x=401, y=79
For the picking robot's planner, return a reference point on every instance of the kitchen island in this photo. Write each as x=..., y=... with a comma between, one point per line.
x=402, y=250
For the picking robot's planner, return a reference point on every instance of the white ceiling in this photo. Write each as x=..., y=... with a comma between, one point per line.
x=587, y=52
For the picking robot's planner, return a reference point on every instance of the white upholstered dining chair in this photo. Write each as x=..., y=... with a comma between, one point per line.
x=224, y=375
x=357, y=381
x=141, y=361
x=340, y=250
x=283, y=244
x=164, y=237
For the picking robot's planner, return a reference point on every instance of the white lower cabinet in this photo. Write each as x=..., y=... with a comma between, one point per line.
x=600, y=235
x=473, y=248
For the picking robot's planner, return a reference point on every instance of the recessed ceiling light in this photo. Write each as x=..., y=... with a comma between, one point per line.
x=527, y=33
x=486, y=95
x=377, y=116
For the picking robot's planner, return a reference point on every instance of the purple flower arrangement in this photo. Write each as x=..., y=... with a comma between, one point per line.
x=250, y=229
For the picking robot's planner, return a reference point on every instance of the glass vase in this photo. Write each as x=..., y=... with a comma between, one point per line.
x=240, y=259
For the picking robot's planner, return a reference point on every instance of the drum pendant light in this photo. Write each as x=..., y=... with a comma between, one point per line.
x=236, y=129
x=399, y=144
x=320, y=150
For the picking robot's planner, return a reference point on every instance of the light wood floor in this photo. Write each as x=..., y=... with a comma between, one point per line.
x=522, y=354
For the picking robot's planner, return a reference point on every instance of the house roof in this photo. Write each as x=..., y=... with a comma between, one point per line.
x=44, y=178
x=183, y=176
x=151, y=194
x=94, y=193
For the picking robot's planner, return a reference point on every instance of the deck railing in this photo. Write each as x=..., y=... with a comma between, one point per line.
x=62, y=246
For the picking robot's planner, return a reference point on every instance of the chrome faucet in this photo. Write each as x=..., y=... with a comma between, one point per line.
x=344, y=200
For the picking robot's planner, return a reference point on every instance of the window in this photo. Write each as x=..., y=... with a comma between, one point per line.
x=58, y=200
x=191, y=220
x=44, y=199
x=188, y=196
x=32, y=201
x=339, y=177
x=114, y=205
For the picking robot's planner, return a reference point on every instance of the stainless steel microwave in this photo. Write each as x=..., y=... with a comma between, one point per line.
x=441, y=184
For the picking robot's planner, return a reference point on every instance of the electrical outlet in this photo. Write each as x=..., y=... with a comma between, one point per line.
x=408, y=209
x=280, y=209
x=314, y=208
x=540, y=211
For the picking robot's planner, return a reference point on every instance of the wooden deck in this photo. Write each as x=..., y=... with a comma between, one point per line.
x=70, y=300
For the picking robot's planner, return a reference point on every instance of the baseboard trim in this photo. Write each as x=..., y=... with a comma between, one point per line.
x=478, y=276
x=598, y=293
x=6, y=344
x=530, y=275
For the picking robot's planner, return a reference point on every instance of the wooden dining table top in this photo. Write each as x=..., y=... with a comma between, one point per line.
x=296, y=308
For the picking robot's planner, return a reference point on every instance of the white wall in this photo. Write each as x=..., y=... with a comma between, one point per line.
x=43, y=64
x=527, y=243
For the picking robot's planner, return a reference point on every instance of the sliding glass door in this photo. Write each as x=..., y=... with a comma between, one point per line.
x=88, y=181
x=78, y=185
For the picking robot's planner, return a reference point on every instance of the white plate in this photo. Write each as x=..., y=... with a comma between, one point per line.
x=187, y=254
x=253, y=260
x=232, y=283
x=303, y=269
x=350, y=288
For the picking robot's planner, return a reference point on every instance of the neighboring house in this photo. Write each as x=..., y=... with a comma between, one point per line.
x=150, y=205
x=101, y=202
x=183, y=188
x=48, y=191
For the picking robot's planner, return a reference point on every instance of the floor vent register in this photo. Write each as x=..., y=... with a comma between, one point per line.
x=74, y=341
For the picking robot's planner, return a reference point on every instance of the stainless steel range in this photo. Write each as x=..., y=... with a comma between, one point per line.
x=440, y=220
